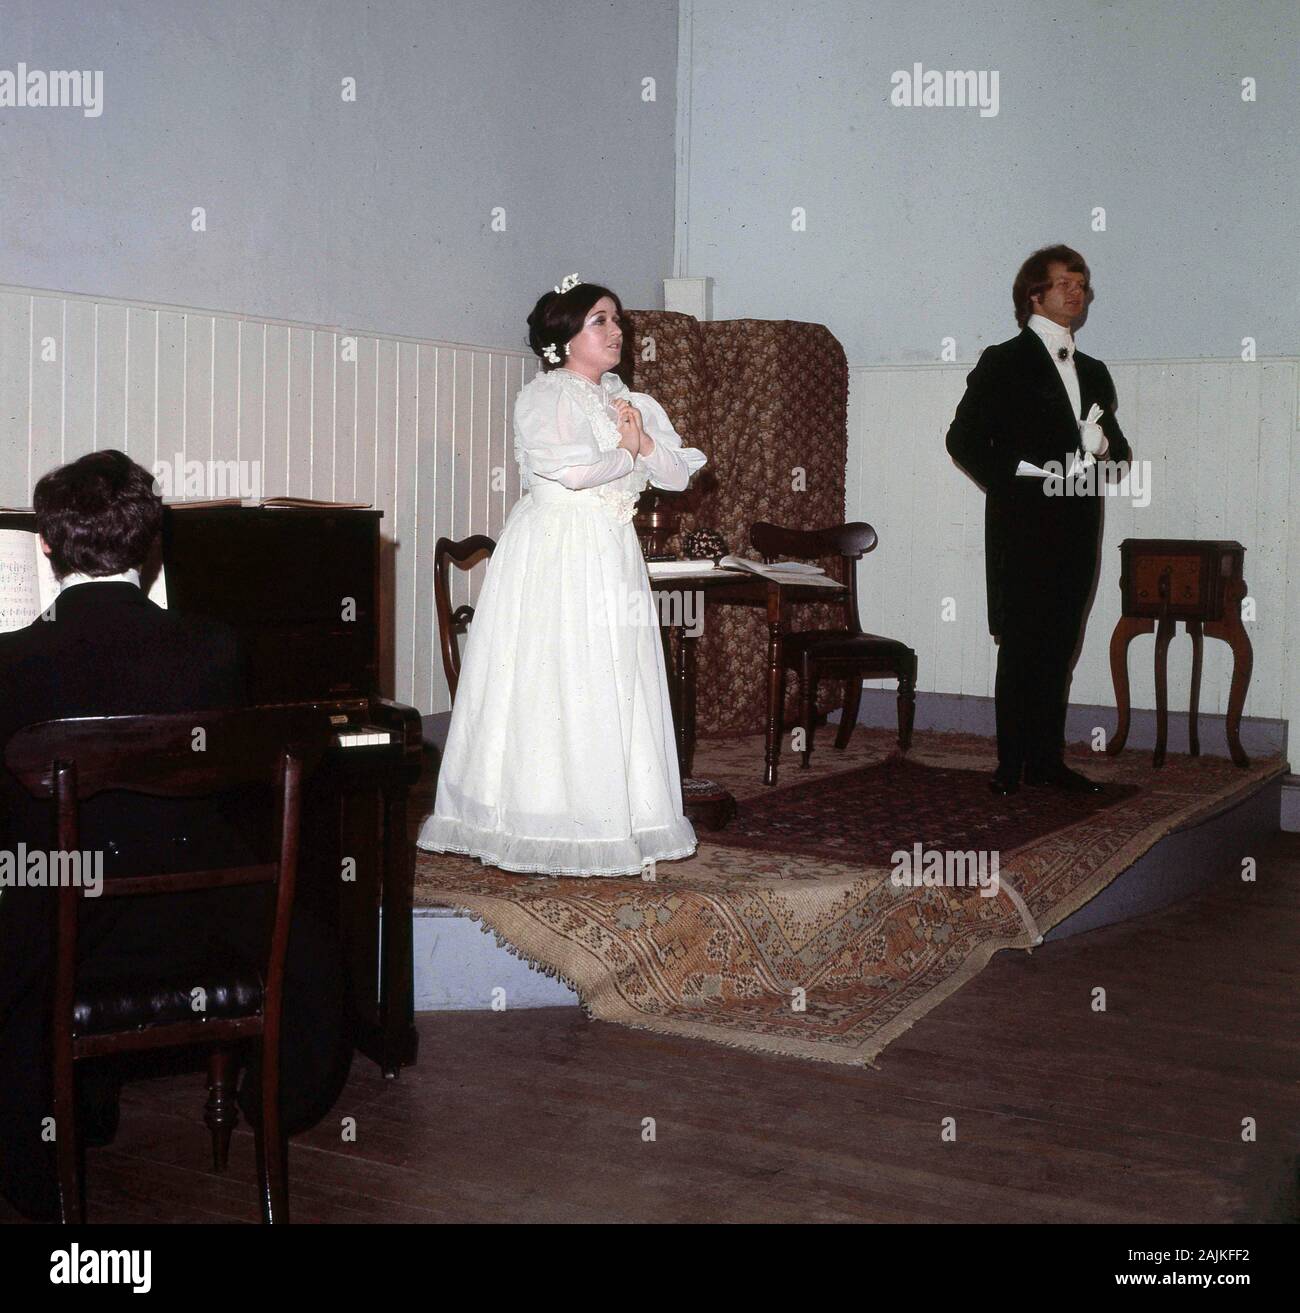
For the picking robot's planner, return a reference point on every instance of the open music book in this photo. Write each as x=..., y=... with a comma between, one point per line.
x=788, y=572
x=669, y=569
x=289, y=502
x=773, y=567
x=27, y=583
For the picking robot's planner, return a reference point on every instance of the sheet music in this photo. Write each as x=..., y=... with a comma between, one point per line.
x=28, y=587
x=667, y=569
x=20, y=593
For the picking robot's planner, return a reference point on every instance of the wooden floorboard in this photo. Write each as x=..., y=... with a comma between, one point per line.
x=1063, y=1114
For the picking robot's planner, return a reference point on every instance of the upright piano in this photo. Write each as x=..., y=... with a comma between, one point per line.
x=301, y=586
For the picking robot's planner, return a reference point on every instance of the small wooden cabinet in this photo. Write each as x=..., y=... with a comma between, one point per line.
x=1200, y=582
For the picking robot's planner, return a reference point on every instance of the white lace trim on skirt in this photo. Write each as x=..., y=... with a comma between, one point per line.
x=512, y=852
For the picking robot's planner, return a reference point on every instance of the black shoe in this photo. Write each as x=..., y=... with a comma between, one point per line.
x=1060, y=776
x=1005, y=782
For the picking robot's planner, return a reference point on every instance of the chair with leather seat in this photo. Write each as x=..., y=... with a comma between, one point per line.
x=466, y=553
x=846, y=653
x=69, y=761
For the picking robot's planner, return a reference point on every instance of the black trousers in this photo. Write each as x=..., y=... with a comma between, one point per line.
x=161, y=936
x=1031, y=690
x=1046, y=569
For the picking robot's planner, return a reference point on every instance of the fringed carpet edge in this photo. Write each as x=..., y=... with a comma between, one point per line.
x=561, y=957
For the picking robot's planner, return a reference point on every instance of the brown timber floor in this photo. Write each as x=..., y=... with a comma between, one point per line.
x=1062, y=1114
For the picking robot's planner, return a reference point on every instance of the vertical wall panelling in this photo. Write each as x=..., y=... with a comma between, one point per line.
x=421, y=429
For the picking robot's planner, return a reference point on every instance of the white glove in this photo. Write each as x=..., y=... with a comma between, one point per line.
x=1094, y=441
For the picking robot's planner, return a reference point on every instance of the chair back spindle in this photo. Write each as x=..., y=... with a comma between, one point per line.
x=465, y=554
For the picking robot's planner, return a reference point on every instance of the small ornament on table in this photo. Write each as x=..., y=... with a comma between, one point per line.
x=704, y=544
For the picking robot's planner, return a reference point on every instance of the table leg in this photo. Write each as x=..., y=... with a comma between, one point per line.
x=1128, y=628
x=1164, y=632
x=1230, y=630
x=1193, y=710
x=775, y=697
x=675, y=660
x=686, y=750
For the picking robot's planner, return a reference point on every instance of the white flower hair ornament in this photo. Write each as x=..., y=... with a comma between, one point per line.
x=568, y=283
x=549, y=354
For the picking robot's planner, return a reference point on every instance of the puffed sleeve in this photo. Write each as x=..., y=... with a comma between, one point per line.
x=671, y=465
x=557, y=441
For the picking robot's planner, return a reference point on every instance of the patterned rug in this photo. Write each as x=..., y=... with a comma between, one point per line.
x=784, y=951
x=870, y=814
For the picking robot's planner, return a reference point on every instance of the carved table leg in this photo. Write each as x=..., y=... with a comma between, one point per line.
x=686, y=655
x=673, y=673
x=1231, y=631
x=675, y=649
x=1128, y=628
x=1164, y=632
x=775, y=698
x=1193, y=710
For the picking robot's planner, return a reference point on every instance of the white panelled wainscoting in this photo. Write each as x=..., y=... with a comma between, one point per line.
x=419, y=428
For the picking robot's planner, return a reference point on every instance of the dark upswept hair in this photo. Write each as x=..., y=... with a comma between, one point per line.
x=98, y=515
x=1032, y=280
x=558, y=316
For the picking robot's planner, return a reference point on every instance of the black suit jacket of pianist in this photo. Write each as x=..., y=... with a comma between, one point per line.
x=110, y=651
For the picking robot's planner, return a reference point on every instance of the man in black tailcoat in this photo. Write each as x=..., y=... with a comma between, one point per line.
x=1035, y=401
x=105, y=649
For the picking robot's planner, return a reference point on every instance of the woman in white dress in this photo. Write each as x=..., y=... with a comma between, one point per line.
x=561, y=758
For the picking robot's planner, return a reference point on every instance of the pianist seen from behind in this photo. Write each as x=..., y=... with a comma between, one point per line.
x=105, y=649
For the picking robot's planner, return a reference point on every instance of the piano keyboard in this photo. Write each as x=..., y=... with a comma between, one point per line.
x=358, y=736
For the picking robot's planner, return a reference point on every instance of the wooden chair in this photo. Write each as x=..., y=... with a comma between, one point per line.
x=72, y=760
x=847, y=653
x=466, y=553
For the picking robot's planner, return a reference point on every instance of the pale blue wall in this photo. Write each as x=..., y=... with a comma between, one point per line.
x=918, y=218
x=376, y=215
x=373, y=215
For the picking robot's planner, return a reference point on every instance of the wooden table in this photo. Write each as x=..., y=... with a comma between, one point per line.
x=734, y=588
x=1197, y=581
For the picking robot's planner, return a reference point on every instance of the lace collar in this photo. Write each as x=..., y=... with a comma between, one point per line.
x=594, y=399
